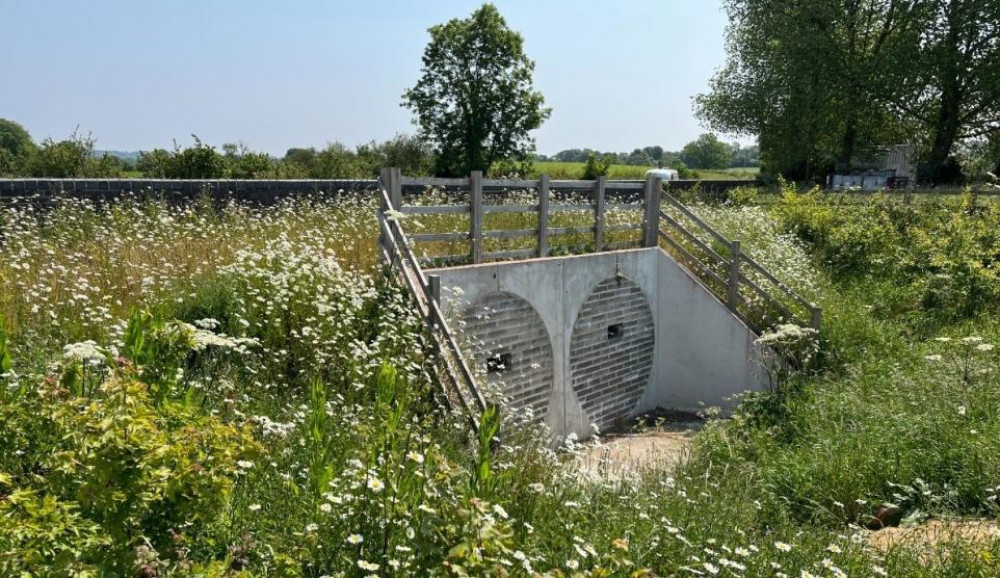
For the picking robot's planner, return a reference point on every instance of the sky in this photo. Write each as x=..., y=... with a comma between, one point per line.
x=277, y=74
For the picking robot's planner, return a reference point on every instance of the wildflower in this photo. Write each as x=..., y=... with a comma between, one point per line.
x=499, y=511
x=244, y=464
x=711, y=568
x=415, y=457
x=934, y=357
x=254, y=507
x=833, y=548
x=783, y=546
x=312, y=527
x=879, y=570
x=961, y=410
x=572, y=564
x=984, y=347
x=375, y=484
x=84, y=351
x=536, y=487
x=368, y=566
x=325, y=507
x=741, y=551
x=355, y=539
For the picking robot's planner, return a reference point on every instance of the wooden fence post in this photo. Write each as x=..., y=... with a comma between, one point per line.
x=543, y=216
x=651, y=206
x=395, y=188
x=817, y=317
x=434, y=292
x=476, y=216
x=599, y=214
x=383, y=176
x=732, y=296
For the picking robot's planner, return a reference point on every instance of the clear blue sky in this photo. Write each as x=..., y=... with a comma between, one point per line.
x=276, y=74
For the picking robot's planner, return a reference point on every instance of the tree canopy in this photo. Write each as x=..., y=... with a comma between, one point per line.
x=475, y=101
x=707, y=152
x=821, y=81
x=16, y=147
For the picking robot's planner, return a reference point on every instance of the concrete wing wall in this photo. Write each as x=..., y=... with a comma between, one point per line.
x=630, y=331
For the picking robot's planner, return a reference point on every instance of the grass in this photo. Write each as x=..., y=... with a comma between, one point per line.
x=571, y=171
x=294, y=403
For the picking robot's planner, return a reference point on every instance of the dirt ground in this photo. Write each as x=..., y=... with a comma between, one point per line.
x=661, y=449
x=923, y=538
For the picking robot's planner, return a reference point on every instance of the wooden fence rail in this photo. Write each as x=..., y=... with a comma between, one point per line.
x=456, y=377
x=738, y=280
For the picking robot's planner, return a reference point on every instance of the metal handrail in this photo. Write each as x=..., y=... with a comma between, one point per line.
x=395, y=249
x=736, y=278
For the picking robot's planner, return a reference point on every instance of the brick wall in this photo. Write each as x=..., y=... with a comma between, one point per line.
x=503, y=326
x=611, y=351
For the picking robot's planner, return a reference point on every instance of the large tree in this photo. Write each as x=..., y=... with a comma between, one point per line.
x=954, y=80
x=811, y=79
x=475, y=100
x=707, y=152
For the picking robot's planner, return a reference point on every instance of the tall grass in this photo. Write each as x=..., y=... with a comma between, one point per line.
x=256, y=355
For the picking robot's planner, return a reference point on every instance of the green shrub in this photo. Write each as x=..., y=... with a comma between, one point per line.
x=104, y=463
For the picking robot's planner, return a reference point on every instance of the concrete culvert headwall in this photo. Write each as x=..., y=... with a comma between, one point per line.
x=593, y=340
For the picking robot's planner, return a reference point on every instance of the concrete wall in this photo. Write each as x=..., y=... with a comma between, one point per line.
x=678, y=346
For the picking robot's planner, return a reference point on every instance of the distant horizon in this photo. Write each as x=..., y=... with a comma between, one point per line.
x=277, y=77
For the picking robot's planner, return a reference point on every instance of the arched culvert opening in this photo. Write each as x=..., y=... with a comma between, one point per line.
x=611, y=351
x=510, y=345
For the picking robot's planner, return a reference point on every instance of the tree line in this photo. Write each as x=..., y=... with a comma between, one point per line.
x=706, y=152
x=823, y=82
x=75, y=157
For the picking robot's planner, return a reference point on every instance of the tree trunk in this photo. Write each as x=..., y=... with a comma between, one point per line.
x=847, y=144
x=945, y=131
x=948, y=120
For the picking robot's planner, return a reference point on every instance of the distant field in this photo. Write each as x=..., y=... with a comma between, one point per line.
x=561, y=170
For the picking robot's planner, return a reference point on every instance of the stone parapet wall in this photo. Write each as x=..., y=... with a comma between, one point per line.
x=106, y=190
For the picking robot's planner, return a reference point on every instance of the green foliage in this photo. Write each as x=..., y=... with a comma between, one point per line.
x=242, y=163
x=104, y=471
x=16, y=148
x=814, y=81
x=707, y=152
x=596, y=167
x=316, y=443
x=71, y=158
x=474, y=99
x=943, y=256
x=200, y=161
x=155, y=164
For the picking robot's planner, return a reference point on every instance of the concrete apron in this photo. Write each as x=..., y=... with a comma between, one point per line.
x=594, y=340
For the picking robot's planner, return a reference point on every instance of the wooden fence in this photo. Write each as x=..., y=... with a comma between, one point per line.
x=456, y=377
x=747, y=288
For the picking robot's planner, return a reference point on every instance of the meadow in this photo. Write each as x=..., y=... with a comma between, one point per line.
x=208, y=390
x=570, y=171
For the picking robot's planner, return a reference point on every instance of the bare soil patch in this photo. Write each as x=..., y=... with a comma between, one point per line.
x=930, y=536
x=661, y=443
